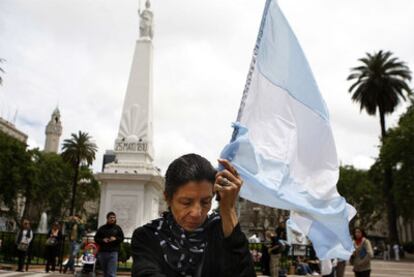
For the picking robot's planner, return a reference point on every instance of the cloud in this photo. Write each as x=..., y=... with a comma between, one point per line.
x=77, y=54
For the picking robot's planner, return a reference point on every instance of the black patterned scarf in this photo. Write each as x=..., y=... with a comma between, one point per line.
x=182, y=250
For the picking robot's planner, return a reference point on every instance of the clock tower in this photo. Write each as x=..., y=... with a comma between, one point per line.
x=53, y=132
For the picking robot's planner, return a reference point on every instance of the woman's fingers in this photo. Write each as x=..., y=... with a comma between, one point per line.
x=228, y=184
x=227, y=165
x=228, y=175
x=225, y=189
x=224, y=180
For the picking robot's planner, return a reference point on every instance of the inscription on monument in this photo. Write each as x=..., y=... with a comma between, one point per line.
x=131, y=147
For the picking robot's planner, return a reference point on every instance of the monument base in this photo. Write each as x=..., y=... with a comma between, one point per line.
x=134, y=197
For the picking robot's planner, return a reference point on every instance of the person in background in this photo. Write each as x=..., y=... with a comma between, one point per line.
x=265, y=259
x=386, y=251
x=53, y=244
x=109, y=238
x=275, y=251
x=23, y=239
x=340, y=268
x=302, y=267
x=328, y=268
x=75, y=230
x=396, y=249
x=254, y=238
x=313, y=260
x=281, y=230
x=361, y=258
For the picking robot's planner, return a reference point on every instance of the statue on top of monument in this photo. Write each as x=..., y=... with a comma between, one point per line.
x=145, y=24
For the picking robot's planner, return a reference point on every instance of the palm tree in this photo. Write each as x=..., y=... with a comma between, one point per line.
x=78, y=150
x=381, y=84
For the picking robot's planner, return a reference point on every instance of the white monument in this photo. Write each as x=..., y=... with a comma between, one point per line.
x=131, y=185
x=53, y=132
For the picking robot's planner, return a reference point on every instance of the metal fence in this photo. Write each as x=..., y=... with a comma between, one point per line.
x=36, y=252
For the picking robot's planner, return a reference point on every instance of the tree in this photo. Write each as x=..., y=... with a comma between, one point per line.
x=88, y=188
x=51, y=184
x=361, y=192
x=77, y=151
x=14, y=163
x=381, y=84
x=397, y=152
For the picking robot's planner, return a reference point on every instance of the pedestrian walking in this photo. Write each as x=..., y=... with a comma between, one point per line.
x=76, y=231
x=265, y=258
x=275, y=251
x=53, y=244
x=340, y=268
x=396, y=249
x=109, y=238
x=386, y=251
x=361, y=258
x=23, y=239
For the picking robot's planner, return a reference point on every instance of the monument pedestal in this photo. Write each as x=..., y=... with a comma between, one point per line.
x=135, y=198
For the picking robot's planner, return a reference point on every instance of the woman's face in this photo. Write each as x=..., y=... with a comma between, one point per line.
x=358, y=234
x=191, y=203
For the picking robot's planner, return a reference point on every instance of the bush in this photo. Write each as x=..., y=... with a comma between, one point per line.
x=8, y=249
x=124, y=252
x=409, y=247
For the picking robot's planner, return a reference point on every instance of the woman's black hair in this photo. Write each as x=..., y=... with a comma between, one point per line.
x=360, y=229
x=187, y=168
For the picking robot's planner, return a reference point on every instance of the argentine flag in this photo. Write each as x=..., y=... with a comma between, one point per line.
x=282, y=143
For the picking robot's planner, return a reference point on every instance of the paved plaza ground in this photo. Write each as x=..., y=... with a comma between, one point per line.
x=380, y=269
x=387, y=269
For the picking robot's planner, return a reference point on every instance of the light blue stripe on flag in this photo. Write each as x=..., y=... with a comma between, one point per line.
x=287, y=67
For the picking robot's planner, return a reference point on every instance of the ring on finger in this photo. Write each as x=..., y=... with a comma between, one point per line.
x=219, y=188
x=225, y=182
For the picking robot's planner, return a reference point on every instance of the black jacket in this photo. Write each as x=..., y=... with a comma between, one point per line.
x=224, y=257
x=106, y=231
x=58, y=238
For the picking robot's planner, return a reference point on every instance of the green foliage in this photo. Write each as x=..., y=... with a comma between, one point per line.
x=8, y=249
x=366, y=189
x=14, y=171
x=409, y=247
x=397, y=152
x=77, y=151
x=361, y=192
x=124, y=252
x=381, y=83
x=44, y=179
x=88, y=188
x=51, y=183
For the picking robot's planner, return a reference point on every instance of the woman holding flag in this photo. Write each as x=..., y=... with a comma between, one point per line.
x=186, y=240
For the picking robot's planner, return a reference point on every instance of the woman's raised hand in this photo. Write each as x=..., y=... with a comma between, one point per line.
x=227, y=185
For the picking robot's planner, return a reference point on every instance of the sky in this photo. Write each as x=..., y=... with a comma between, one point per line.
x=77, y=54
